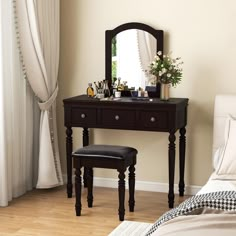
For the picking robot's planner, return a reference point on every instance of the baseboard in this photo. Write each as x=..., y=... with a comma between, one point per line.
x=143, y=185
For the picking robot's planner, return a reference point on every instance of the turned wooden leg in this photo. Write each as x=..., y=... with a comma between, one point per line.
x=131, y=188
x=90, y=186
x=121, y=190
x=171, y=195
x=85, y=143
x=182, y=146
x=69, y=145
x=78, y=205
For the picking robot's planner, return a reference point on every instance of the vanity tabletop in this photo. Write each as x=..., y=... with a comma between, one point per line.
x=84, y=99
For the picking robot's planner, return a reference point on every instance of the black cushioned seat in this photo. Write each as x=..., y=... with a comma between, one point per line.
x=105, y=156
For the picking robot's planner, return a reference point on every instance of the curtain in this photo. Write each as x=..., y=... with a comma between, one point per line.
x=135, y=51
x=146, y=50
x=38, y=30
x=19, y=117
x=128, y=64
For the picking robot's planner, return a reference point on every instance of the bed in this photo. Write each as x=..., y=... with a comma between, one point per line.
x=213, y=209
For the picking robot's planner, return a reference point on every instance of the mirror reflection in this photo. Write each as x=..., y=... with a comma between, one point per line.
x=132, y=52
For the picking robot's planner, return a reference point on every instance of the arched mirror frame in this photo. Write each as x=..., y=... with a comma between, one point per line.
x=109, y=34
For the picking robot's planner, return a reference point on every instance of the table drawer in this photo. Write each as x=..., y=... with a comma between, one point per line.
x=83, y=117
x=152, y=119
x=118, y=118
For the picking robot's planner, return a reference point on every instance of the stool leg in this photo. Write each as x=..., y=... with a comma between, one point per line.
x=90, y=186
x=131, y=188
x=78, y=205
x=121, y=190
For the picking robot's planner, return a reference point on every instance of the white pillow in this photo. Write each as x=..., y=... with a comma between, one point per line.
x=217, y=157
x=226, y=169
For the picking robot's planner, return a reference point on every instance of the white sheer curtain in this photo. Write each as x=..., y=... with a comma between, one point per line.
x=38, y=25
x=18, y=117
x=135, y=51
x=128, y=64
x=147, y=50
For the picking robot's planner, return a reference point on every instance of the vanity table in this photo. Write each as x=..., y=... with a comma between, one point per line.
x=129, y=114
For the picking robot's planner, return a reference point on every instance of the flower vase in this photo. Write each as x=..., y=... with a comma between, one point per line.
x=165, y=92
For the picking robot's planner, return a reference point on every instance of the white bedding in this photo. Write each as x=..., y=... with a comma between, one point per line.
x=214, y=185
x=195, y=225
x=214, y=205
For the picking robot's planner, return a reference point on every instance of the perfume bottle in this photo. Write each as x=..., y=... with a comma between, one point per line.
x=106, y=89
x=90, y=90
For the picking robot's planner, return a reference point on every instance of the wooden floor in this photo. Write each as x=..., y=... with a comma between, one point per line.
x=51, y=213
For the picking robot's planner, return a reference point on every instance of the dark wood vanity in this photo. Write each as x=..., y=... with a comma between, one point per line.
x=128, y=114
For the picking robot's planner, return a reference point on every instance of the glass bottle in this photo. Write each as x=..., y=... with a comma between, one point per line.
x=106, y=89
x=90, y=90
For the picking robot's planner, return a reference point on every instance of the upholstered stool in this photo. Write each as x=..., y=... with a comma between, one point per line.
x=105, y=156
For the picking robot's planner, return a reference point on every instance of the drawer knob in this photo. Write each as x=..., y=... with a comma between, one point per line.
x=82, y=116
x=117, y=117
x=153, y=119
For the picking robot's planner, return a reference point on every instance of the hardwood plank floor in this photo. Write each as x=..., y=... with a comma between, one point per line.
x=50, y=212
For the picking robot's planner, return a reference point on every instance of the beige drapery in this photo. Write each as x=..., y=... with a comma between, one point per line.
x=19, y=116
x=38, y=34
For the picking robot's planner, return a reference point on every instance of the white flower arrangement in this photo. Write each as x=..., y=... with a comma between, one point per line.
x=166, y=69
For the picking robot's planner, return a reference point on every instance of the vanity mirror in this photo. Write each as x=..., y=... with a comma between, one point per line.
x=129, y=49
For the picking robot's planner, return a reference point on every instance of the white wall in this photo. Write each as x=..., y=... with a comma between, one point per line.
x=201, y=32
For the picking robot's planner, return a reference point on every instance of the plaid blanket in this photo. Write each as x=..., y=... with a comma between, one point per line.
x=224, y=200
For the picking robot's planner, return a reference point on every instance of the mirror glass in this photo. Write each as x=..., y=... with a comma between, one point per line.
x=132, y=52
x=130, y=48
